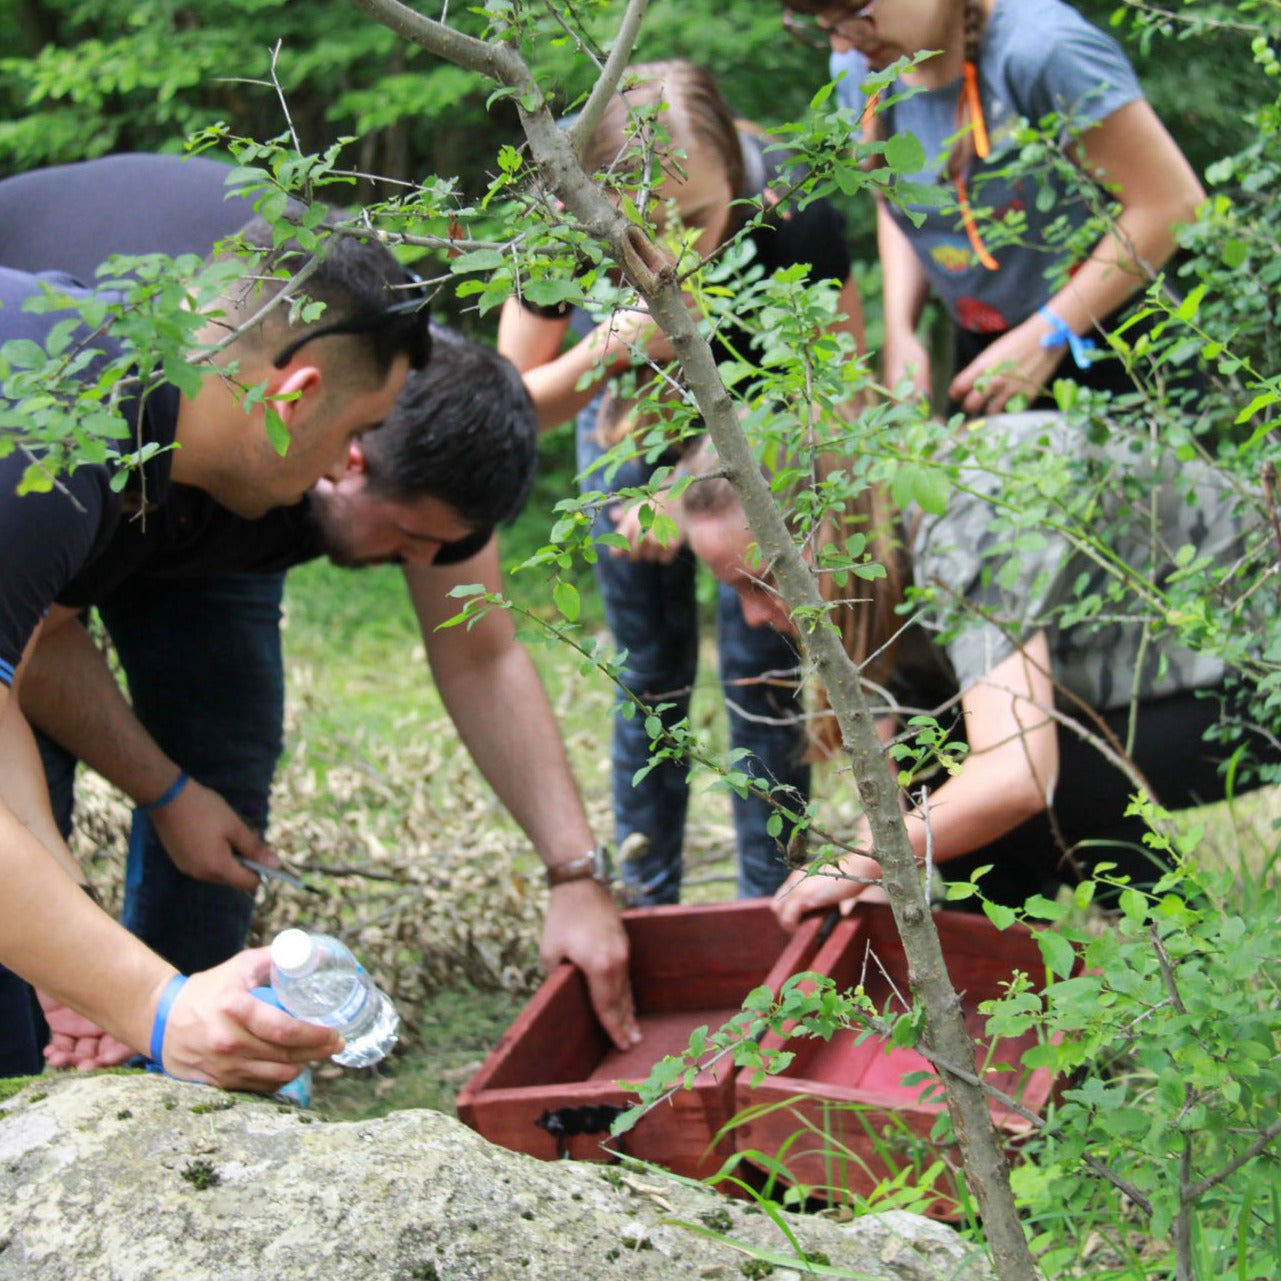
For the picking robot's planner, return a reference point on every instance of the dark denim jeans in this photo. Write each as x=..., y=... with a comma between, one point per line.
x=652, y=612
x=203, y=662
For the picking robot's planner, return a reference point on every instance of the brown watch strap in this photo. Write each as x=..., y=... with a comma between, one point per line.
x=589, y=867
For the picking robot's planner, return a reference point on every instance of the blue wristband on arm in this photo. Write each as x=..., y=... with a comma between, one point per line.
x=1060, y=335
x=170, y=793
x=161, y=1021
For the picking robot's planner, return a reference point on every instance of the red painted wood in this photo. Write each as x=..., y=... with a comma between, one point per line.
x=691, y=966
x=839, y=1117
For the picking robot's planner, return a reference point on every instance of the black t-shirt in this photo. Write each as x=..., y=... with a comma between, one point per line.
x=46, y=540
x=71, y=218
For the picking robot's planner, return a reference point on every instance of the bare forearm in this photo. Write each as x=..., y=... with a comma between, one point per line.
x=904, y=286
x=23, y=789
x=1123, y=262
x=493, y=694
x=53, y=936
x=533, y=344
x=1132, y=156
x=502, y=713
x=68, y=691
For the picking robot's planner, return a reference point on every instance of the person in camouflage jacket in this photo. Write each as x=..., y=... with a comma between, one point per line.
x=1036, y=619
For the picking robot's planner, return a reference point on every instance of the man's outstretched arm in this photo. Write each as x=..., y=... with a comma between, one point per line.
x=69, y=692
x=55, y=937
x=493, y=694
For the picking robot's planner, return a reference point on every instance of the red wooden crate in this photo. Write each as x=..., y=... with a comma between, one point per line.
x=839, y=1118
x=690, y=966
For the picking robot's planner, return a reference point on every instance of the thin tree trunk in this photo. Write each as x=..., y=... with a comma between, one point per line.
x=653, y=275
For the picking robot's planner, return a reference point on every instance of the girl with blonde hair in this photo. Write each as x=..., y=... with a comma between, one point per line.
x=673, y=112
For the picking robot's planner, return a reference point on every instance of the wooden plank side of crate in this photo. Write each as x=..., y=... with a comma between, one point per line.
x=691, y=966
x=839, y=1116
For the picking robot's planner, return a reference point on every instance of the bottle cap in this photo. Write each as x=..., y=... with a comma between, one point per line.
x=293, y=952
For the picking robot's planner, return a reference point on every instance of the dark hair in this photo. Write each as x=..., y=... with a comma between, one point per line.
x=463, y=430
x=359, y=281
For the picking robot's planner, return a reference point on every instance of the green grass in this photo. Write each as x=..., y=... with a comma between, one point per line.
x=461, y=1026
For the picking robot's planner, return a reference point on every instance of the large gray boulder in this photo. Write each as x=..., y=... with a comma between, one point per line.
x=128, y=1177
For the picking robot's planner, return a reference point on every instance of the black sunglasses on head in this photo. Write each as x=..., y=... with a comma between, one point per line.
x=417, y=342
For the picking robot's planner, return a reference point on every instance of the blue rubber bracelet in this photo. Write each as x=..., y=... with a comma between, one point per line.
x=170, y=793
x=1060, y=335
x=161, y=1021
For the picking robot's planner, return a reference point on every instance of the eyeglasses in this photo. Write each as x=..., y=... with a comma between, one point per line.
x=415, y=340
x=818, y=31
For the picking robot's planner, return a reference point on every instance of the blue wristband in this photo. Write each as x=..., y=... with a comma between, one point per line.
x=161, y=1021
x=1060, y=335
x=170, y=793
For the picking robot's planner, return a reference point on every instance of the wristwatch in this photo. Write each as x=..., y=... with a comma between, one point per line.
x=595, y=865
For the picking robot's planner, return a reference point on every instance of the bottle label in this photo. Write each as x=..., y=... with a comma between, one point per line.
x=351, y=1006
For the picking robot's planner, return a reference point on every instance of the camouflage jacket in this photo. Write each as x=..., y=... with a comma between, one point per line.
x=989, y=575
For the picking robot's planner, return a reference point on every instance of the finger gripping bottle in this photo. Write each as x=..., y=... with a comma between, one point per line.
x=316, y=978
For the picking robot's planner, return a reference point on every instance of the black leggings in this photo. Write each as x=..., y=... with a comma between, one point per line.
x=1092, y=796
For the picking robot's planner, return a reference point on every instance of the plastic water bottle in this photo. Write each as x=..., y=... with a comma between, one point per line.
x=316, y=978
x=298, y=1091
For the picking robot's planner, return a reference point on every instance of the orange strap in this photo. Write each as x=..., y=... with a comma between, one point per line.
x=971, y=104
x=974, y=109
x=868, y=114
x=971, y=227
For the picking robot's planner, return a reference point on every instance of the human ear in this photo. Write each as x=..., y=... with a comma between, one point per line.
x=291, y=396
x=357, y=463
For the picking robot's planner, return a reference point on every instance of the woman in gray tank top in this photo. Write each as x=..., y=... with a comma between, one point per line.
x=999, y=253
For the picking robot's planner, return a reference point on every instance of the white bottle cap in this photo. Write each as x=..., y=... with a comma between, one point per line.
x=293, y=952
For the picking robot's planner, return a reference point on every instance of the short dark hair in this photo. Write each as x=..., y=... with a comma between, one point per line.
x=463, y=431
x=359, y=281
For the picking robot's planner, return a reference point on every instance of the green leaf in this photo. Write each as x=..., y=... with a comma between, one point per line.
x=479, y=260
x=1057, y=953
x=1235, y=252
x=1000, y=916
x=36, y=479
x=567, y=600
x=1261, y=401
x=904, y=153
x=1134, y=906
x=277, y=432
x=1191, y=304
x=932, y=489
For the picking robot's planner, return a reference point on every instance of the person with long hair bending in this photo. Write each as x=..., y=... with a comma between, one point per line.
x=1002, y=252
x=712, y=166
x=1060, y=720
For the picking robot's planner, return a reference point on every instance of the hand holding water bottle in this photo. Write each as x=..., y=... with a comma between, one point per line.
x=316, y=978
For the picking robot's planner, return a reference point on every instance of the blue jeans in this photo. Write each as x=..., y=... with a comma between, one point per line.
x=203, y=662
x=653, y=614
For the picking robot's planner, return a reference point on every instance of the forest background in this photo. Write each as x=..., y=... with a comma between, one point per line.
x=85, y=78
